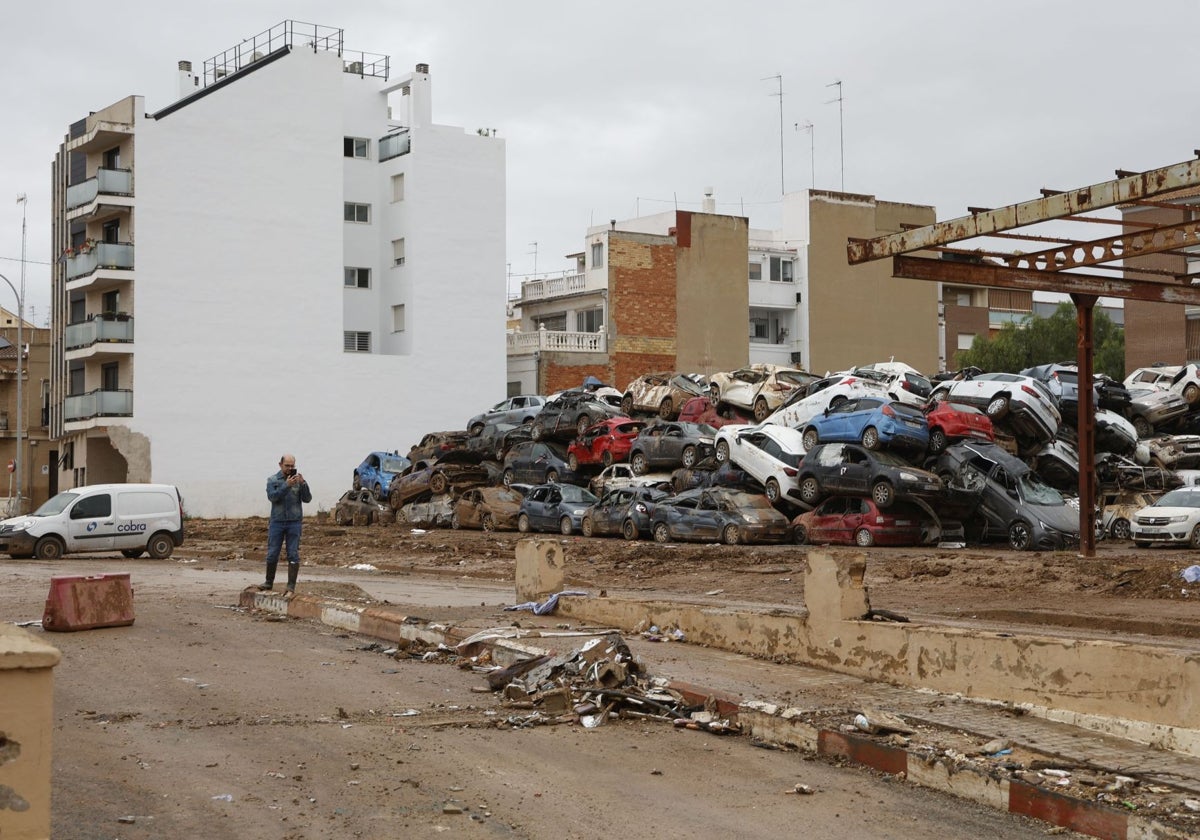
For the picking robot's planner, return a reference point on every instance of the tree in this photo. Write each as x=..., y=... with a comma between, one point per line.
x=1038, y=341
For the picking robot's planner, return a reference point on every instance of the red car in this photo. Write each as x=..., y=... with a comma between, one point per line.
x=846, y=521
x=604, y=443
x=702, y=410
x=954, y=421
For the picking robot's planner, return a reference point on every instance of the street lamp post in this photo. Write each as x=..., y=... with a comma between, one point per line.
x=18, y=462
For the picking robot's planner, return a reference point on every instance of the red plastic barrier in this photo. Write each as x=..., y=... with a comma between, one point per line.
x=84, y=603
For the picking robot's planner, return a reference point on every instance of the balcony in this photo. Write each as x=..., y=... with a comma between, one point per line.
x=97, y=404
x=105, y=328
x=553, y=287
x=114, y=255
x=107, y=182
x=394, y=145
x=557, y=342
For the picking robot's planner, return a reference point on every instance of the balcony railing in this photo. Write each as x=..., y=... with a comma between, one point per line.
x=553, y=286
x=101, y=255
x=102, y=328
x=98, y=404
x=555, y=341
x=106, y=182
x=394, y=145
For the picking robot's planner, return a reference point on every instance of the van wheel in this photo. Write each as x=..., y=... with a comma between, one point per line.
x=49, y=548
x=160, y=546
x=132, y=553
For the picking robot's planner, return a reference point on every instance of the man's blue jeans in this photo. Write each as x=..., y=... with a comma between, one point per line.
x=277, y=534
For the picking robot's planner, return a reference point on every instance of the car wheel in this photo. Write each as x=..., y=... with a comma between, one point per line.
x=773, y=493
x=552, y=476
x=476, y=430
x=582, y=424
x=810, y=439
x=627, y=405
x=688, y=458
x=507, y=478
x=48, y=548
x=523, y=523
x=629, y=531
x=538, y=431
x=132, y=553
x=1192, y=394
x=1020, y=536
x=662, y=534
x=937, y=441
x=377, y=491
x=1142, y=426
x=573, y=462
x=160, y=546
x=340, y=517
x=488, y=523
x=395, y=502
x=883, y=494
x=800, y=535
x=722, y=451
x=997, y=408
x=638, y=463
x=438, y=483
x=715, y=392
x=836, y=401
x=761, y=410
x=1141, y=543
x=731, y=535
x=401, y=517
x=1119, y=530
x=588, y=527
x=565, y=527
x=810, y=490
x=607, y=458
x=666, y=408
x=454, y=523
x=863, y=538
x=357, y=482
x=1194, y=540
x=870, y=437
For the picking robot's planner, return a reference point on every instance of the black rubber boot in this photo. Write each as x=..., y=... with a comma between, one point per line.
x=293, y=573
x=269, y=583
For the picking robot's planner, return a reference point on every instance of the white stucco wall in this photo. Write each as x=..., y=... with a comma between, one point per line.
x=240, y=301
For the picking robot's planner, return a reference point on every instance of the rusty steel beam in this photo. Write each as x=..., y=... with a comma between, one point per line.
x=1106, y=194
x=1086, y=445
x=1122, y=246
x=1003, y=277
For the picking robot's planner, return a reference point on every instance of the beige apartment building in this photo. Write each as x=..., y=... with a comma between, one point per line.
x=38, y=457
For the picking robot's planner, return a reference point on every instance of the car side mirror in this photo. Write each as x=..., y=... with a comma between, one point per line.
x=1011, y=491
x=826, y=412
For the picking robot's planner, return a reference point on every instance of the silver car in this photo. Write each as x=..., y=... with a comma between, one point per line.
x=514, y=411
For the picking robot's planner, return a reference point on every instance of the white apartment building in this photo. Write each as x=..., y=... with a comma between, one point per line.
x=290, y=257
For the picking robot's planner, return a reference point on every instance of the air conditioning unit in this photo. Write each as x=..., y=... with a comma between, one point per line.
x=797, y=357
x=355, y=67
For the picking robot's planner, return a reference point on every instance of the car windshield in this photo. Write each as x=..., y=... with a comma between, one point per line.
x=573, y=494
x=685, y=384
x=1184, y=497
x=1036, y=492
x=740, y=501
x=558, y=449
x=394, y=464
x=965, y=409
x=56, y=505
x=795, y=378
x=892, y=460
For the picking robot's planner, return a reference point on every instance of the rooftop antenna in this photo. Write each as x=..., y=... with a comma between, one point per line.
x=841, y=128
x=779, y=78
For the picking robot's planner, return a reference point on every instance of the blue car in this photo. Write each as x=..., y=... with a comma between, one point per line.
x=554, y=507
x=377, y=471
x=871, y=421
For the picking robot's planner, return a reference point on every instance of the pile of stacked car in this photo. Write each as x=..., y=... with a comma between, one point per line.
x=878, y=454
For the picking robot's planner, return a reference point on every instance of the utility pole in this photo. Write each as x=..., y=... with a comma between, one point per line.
x=841, y=128
x=779, y=78
x=812, y=148
x=19, y=461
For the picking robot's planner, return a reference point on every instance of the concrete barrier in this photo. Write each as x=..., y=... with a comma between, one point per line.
x=26, y=725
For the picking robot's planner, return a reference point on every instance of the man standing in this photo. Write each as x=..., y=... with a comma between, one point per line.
x=287, y=491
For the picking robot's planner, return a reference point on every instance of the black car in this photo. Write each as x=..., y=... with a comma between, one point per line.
x=539, y=462
x=710, y=473
x=554, y=507
x=670, y=445
x=852, y=470
x=717, y=514
x=622, y=510
x=497, y=438
x=570, y=414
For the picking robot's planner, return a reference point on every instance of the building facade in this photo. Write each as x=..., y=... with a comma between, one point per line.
x=314, y=256
x=32, y=464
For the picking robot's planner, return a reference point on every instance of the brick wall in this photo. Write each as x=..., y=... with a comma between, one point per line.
x=558, y=374
x=641, y=305
x=1154, y=332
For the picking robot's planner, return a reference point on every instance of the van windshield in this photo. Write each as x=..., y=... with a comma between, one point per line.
x=56, y=505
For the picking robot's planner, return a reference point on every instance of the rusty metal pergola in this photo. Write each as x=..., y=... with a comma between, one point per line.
x=1086, y=269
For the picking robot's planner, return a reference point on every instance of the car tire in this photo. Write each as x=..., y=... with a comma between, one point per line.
x=627, y=405
x=476, y=430
x=587, y=527
x=454, y=523
x=357, y=484
x=565, y=527
x=49, y=548
x=810, y=438
x=638, y=463
x=800, y=535
x=582, y=424
x=1142, y=426
x=552, y=476
x=607, y=458
x=688, y=457
x=937, y=441
x=538, y=431
x=160, y=546
x=1119, y=530
x=864, y=538
x=1192, y=394
x=401, y=517
x=1020, y=536
x=1141, y=543
x=870, y=438
x=1194, y=538
x=629, y=530
x=132, y=553
x=488, y=523
x=438, y=483
x=523, y=523
x=573, y=462
x=761, y=410
x=662, y=534
x=507, y=478
x=883, y=494
x=997, y=407
x=340, y=517
x=395, y=501
x=377, y=491
x=810, y=490
x=722, y=451
x=666, y=408
x=774, y=494
x=731, y=535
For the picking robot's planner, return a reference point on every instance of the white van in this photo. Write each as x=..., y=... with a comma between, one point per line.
x=131, y=518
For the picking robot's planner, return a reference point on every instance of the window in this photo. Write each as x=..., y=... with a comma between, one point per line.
x=760, y=330
x=91, y=507
x=111, y=231
x=781, y=270
x=360, y=213
x=356, y=147
x=112, y=158
x=397, y=252
x=398, y=187
x=357, y=278
x=964, y=298
x=589, y=320
x=398, y=318
x=755, y=271
x=110, y=301
x=556, y=322
x=356, y=342
x=109, y=377
x=597, y=255
x=965, y=340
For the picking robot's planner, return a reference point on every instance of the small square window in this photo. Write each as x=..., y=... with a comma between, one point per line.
x=356, y=342
x=356, y=147
x=755, y=271
x=398, y=318
x=781, y=270
x=965, y=340
x=358, y=278
x=354, y=212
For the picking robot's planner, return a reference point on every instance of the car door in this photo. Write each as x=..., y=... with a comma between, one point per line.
x=708, y=519
x=836, y=422
x=854, y=474
x=535, y=506
x=670, y=444
x=91, y=525
x=523, y=465
x=751, y=456
x=826, y=519
x=851, y=519
x=613, y=511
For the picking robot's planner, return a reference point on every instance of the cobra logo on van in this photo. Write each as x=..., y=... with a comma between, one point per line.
x=131, y=526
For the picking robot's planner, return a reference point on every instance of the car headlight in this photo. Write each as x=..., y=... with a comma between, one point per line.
x=580, y=512
x=1183, y=518
x=907, y=476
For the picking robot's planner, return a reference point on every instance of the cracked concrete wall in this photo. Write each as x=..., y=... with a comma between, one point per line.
x=135, y=447
x=26, y=725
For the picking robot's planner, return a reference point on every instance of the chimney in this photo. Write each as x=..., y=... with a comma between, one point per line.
x=187, y=82
x=420, y=107
x=709, y=205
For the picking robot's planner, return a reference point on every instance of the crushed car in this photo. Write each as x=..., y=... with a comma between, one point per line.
x=489, y=508
x=458, y=467
x=571, y=413
x=704, y=411
x=1151, y=409
x=622, y=475
x=515, y=411
x=670, y=445
x=717, y=514
x=554, y=507
x=358, y=506
x=849, y=469
x=830, y=392
x=435, y=512
x=539, y=462
x=663, y=394
x=377, y=470
x=1021, y=401
x=605, y=443
x=436, y=444
x=758, y=388
x=623, y=510
x=769, y=454
x=849, y=520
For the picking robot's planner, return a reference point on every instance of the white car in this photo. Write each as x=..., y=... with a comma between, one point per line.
x=823, y=394
x=1174, y=518
x=1186, y=383
x=622, y=475
x=904, y=382
x=759, y=388
x=769, y=454
x=1151, y=377
x=1025, y=401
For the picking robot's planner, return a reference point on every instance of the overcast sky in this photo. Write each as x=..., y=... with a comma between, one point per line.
x=613, y=108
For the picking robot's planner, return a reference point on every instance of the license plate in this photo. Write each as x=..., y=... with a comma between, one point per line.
x=1152, y=530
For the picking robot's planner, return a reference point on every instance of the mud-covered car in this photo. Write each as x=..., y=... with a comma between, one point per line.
x=539, y=462
x=832, y=391
x=622, y=475
x=1021, y=401
x=848, y=520
x=710, y=473
x=702, y=410
x=489, y=508
x=717, y=514
x=357, y=506
x=625, y=511
x=950, y=422
x=554, y=507
x=758, y=388
x=851, y=470
x=670, y=445
x=497, y=438
x=1155, y=408
x=377, y=470
x=874, y=421
x=661, y=393
x=515, y=411
x=436, y=444
x=570, y=414
x=604, y=443
x=1119, y=507
x=456, y=468
x=435, y=512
